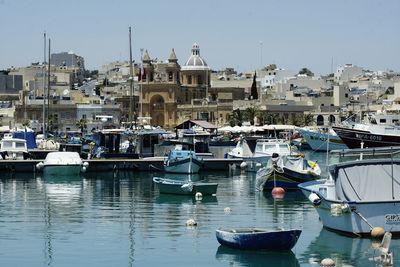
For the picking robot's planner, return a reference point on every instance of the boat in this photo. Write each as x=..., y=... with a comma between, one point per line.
x=367, y=136
x=182, y=161
x=258, y=239
x=376, y=130
x=318, y=139
x=287, y=172
x=358, y=196
x=13, y=148
x=267, y=147
x=243, y=151
x=62, y=163
x=188, y=187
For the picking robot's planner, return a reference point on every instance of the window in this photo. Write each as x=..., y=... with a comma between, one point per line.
x=170, y=76
x=199, y=79
x=346, y=95
x=189, y=78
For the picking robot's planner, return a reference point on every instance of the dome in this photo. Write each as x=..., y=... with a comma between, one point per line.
x=195, y=61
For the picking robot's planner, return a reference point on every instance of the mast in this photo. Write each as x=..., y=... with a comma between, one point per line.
x=48, y=89
x=131, y=102
x=44, y=86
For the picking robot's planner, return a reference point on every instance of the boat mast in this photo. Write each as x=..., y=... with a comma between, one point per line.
x=131, y=79
x=48, y=90
x=44, y=86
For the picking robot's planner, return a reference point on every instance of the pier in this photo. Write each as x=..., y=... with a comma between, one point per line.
x=144, y=164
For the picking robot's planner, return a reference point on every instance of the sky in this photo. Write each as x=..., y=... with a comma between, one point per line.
x=245, y=35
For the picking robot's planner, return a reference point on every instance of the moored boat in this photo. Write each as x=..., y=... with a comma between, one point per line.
x=318, y=139
x=258, y=239
x=287, y=172
x=62, y=163
x=358, y=196
x=180, y=187
x=182, y=161
x=13, y=148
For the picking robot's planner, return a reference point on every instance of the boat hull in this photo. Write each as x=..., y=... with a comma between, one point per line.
x=258, y=239
x=348, y=220
x=169, y=186
x=62, y=170
x=353, y=138
x=288, y=179
x=318, y=141
x=186, y=165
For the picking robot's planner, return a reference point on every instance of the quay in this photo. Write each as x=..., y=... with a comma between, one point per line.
x=144, y=164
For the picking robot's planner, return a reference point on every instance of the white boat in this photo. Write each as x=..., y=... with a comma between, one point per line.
x=358, y=196
x=62, y=163
x=318, y=139
x=250, y=161
x=267, y=147
x=13, y=148
x=182, y=161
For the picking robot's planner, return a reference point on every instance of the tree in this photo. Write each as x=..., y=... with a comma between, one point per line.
x=236, y=118
x=308, y=119
x=254, y=93
x=250, y=113
x=306, y=71
x=81, y=124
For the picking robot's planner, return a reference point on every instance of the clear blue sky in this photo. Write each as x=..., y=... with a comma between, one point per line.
x=294, y=34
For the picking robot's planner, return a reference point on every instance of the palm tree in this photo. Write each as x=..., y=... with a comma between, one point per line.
x=82, y=124
x=236, y=118
x=308, y=119
x=250, y=113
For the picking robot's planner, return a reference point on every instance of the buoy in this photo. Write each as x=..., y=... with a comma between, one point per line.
x=278, y=192
x=191, y=222
x=198, y=196
x=377, y=232
x=227, y=210
x=327, y=262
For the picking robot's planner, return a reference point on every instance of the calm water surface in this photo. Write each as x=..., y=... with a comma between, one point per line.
x=120, y=219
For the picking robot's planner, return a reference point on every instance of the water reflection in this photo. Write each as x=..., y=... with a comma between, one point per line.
x=235, y=257
x=342, y=249
x=184, y=199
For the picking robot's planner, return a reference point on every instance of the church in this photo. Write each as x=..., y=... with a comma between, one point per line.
x=170, y=93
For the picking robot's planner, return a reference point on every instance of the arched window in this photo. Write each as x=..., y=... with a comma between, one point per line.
x=320, y=120
x=332, y=119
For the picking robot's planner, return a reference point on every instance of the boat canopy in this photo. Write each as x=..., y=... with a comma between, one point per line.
x=367, y=180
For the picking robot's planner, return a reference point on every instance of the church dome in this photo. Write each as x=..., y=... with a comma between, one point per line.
x=195, y=61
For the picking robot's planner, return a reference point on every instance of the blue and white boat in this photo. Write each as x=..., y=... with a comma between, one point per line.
x=358, y=196
x=182, y=161
x=318, y=139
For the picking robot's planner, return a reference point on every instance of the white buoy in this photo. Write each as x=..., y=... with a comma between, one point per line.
x=327, y=262
x=191, y=222
x=198, y=196
x=243, y=165
x=227, y=210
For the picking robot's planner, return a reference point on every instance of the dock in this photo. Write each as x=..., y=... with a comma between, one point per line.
x=143, y=164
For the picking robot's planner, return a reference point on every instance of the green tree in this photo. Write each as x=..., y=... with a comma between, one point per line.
x=236, y=118
x=250, y=113
x=308, y=119
x=254, y=92
x=306, y=71
x=82, y=124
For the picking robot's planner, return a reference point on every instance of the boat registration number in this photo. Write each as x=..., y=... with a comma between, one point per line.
x=392, y=218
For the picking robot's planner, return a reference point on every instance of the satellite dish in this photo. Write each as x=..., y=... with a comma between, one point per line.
x=65, y=92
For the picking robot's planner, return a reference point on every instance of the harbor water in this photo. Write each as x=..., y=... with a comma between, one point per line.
x=120, y=219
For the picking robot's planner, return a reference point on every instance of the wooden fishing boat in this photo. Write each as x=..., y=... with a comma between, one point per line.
x=257, y=239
